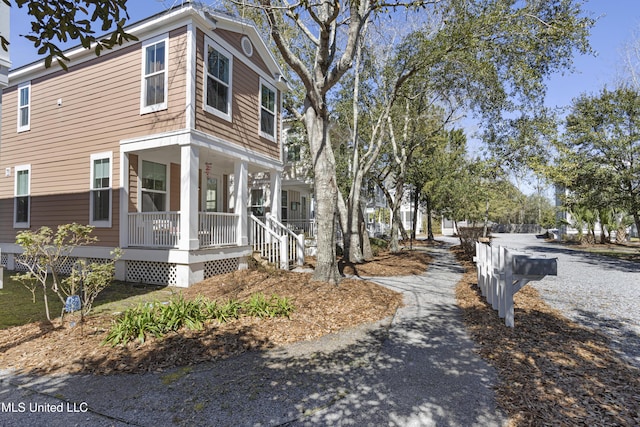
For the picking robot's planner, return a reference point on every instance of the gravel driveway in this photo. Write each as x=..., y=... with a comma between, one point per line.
x=596, y=291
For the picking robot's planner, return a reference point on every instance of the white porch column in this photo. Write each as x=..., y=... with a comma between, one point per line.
x=188, y=197
x=276, y=194
x=124, y=200
x=241, y=191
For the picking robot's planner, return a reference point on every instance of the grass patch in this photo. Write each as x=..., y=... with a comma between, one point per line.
x=17, y=307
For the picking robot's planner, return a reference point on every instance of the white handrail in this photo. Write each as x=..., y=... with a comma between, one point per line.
x=276, y=243
x=296, y=241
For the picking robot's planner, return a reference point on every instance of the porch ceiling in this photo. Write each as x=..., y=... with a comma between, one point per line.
x=220, y=163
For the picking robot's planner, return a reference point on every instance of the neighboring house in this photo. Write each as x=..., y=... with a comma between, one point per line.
x=153, y=143
x=380, y=223
x=296, y=188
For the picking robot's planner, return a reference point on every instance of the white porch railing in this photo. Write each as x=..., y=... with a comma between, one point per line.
x=154, y=229
x=275, y=242
x=217, y=229
x=162, y=229
x=306, y=226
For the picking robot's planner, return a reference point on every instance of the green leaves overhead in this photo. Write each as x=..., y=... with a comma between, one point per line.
x=599, y=155
x=55, y=22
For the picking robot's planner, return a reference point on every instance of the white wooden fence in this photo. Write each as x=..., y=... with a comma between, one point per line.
x=502, y=272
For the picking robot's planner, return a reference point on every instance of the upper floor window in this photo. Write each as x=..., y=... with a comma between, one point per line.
x=22, y=197
x=267, y=111
x=24, y=106
x=154, y=74
x=293, y=153
x=154, y=186
x=100, y=194
x=218, y=71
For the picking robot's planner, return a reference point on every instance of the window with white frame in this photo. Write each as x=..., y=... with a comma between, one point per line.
x=212, y=195
x=154, y=75
x=267, y=111
x=154, y=186
x=100, y=193
x=284, y=200
x=218, y=71
x=22, y=199
x=257, y=202
x=24, y=106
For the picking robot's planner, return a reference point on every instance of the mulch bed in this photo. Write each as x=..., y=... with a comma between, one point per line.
x=551, y=371
x=320, y=309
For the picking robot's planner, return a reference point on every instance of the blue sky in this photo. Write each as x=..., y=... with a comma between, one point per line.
x=618, y=19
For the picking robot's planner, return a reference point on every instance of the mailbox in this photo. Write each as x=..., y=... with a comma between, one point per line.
x=503, y=272
x=524, y=265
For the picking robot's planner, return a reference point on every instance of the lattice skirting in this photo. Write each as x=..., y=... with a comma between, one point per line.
x=65, y=268
x=220, y=266
x=4, y=259
x=154, y=273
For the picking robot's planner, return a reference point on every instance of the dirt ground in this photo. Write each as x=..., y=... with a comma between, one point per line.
x=319, y=309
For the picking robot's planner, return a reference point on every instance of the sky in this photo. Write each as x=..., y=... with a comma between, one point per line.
x=617, y=22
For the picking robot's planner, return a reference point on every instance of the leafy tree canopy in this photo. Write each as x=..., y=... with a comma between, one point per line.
x=56, y=22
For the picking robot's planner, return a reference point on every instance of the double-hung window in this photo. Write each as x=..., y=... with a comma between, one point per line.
x=100, y=193
x=22, y=199
x=218, y=71
x=267, y=111
x=154, y=186
x=257, y=202
x=24, y=106
x=154, y=75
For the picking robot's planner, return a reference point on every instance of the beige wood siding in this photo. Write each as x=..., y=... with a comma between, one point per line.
x=174, y=197
x=74, y=114
x=234, y=39
x=133, y=183
x=243, y=130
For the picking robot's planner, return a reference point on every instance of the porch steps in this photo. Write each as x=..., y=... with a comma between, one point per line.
x=264, y=261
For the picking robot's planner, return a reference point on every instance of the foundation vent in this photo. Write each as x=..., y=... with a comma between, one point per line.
x=221, y=266
x=153, y=273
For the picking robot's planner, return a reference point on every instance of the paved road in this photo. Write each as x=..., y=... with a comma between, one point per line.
x=417, y=369
x=596, y=291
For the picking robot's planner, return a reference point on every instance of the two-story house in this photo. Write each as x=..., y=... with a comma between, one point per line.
x=152, y=143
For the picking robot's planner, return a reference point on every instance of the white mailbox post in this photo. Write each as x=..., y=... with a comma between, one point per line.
x=502, y=272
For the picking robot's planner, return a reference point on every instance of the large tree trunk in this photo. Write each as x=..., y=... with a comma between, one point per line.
x=326, y=195
x=416, y=200
x=429, y=223
x=350, y=217
x=367, y=253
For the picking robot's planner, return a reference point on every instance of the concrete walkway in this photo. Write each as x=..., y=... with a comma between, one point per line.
x=417, y=369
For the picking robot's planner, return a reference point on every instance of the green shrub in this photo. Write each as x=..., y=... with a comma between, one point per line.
x=468, y=238
x=135, y=323
x=157, y=319
x=259, y=306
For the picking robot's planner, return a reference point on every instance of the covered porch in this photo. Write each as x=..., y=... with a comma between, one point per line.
x=185, y=201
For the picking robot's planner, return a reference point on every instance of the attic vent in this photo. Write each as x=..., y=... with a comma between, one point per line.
x=247, y=47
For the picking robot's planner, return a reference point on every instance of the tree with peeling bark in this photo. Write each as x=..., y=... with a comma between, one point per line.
x=333, y=30
x=510, y=46
x=378, y=78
